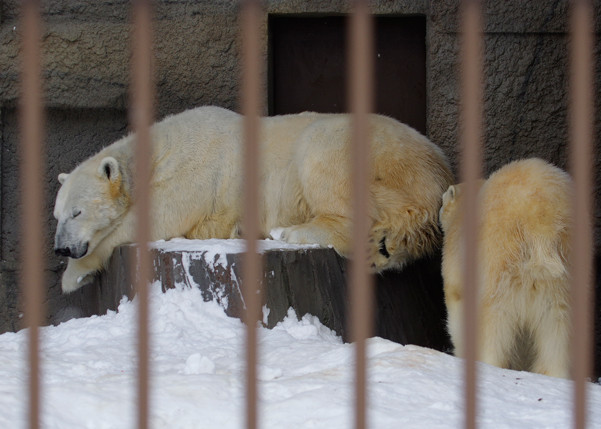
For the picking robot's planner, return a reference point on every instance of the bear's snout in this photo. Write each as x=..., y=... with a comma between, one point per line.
x=72, y=252
x=63, y=251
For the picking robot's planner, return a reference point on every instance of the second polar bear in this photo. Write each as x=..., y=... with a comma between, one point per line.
x=523, y=301
x=196, y=187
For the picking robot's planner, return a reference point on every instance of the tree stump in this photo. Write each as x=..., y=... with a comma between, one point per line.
x=409, y=304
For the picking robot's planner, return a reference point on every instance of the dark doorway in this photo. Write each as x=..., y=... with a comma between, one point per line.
x=307, y=66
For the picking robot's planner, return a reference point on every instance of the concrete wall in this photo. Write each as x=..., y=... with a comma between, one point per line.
x=86, y=63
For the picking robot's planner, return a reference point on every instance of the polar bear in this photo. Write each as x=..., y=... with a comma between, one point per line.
x=196, y=188
x=523, y=302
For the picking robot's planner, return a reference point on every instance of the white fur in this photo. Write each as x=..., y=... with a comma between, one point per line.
x=197, y=184
x=523, y=252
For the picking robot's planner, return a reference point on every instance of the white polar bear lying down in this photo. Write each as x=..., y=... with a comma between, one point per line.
x=197, y=179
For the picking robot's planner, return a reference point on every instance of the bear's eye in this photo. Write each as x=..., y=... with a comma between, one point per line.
x=75, y=213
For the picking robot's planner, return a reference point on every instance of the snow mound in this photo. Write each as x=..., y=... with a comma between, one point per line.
x=305, y=376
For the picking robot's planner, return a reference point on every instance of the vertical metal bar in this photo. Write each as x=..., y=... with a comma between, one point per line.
x=471, y=165
x=31, y=126
x=250, y=100
x=360, y=89
x=581, y=137
x=141, y=113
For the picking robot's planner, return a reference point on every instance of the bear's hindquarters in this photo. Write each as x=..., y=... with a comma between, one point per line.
x=551, y=343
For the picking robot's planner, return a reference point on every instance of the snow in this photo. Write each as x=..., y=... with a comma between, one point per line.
x=305, y=374
x=214, y=251
x=215, y=246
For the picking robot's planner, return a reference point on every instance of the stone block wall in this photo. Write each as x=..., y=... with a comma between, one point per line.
x=197, y=44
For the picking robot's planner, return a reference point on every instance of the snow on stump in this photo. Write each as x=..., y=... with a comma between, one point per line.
x=409, y=305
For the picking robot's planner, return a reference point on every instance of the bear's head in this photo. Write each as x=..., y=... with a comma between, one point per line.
x=91, y=201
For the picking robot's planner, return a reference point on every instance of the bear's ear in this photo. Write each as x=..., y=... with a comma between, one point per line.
x=109, y=168
x=62, y=177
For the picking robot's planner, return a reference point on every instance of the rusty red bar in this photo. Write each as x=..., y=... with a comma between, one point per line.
x=250, y=101
x=470, y=172
x=31, y=125
x=581, y=138
x=360, y=90
x=141, y=114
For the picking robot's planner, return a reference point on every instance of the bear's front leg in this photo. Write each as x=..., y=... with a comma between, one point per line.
x=76, y=275
x=323, y=230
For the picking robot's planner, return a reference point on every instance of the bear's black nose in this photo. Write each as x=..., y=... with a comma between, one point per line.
x=63, y=251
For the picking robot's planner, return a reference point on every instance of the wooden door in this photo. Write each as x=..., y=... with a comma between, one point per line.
x=307, y=66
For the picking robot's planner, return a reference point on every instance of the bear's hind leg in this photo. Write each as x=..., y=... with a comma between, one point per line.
x=497, y=333
x=552, y=342
x=455, y=319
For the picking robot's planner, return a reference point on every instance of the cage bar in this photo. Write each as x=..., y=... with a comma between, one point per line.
x=470, y=172
x=250, y=101
x=31, y=120
x=360, y=90
x=581, y=155
x=141, y=119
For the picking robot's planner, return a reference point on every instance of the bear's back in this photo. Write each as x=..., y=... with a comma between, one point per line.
x=526, y=219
